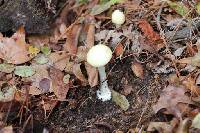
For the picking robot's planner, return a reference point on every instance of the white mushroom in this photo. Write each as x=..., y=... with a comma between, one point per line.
x=98, y=56
x=118, y=18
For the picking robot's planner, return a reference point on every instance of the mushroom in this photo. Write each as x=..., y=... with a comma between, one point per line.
x=98, y=56
x=118, y=18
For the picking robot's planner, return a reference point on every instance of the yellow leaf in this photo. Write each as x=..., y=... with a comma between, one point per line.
x=33, y=50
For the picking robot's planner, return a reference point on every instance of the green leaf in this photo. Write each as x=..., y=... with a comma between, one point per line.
x=196, y=121
x=98, y=9
x=179, y=7
x=198, y=8
x=41, y=59
x=82, y=1
x=46, y=50
x=24, y=71
x=120, y=100
x=7, y=68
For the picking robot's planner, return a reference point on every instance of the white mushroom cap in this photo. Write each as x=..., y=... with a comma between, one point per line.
x=99, y=55
x=118, y=17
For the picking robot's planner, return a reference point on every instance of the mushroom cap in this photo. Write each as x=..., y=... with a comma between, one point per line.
x=118, y=17
x=99, y=55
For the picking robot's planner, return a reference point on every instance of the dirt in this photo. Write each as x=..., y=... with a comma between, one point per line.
x=92, y=115
x=35, y=15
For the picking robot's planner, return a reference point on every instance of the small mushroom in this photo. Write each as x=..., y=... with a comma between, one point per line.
x=118, y=18
x=98, y=56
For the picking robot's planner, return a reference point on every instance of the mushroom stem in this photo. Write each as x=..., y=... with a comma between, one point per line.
x=104, y=93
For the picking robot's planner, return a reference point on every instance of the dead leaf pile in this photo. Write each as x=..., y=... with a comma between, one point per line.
x=169, y=99
x=15, y=49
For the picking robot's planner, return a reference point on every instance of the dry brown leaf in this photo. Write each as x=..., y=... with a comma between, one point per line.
x=72, y=39
x=78, y=73
x=69, y=67
x=81, y=54
x=148, y=31
x=59, y=59
x=161, y=127
x=92, y=74
x=8, y=129
x=119, y=49
x=190, y=84
x=15, y=49
x=90, y=32
x=49, y=105
x=40, y=74
x=59, y=88
x=138, y=70
x=169, y=99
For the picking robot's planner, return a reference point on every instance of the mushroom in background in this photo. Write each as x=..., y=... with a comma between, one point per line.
x=118, y=18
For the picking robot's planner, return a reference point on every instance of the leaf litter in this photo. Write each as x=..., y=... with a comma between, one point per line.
x=52, y=68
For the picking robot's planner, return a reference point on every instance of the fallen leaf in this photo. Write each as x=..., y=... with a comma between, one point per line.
x=7, y=93
x=98, y=9
x=78, y=73
x=190, y=84
x=179, y=7
x=49, y=105
x=161, y=127
x=45, y=50
x=59, y=59
x=69, y=67
x=198, y=7
x=119, y=49
x=24, y=71
x=92, y=74
x=15, y=49
x=169, y=99
x=33, y=50
x=196, y=121
x=81, y=54
x=72, y=39
x=184, y=126
x=59, y=88
x=7, y=68
x=195, y=60
x=41, y=82
x=148, y=31
x=90, y=32
x=120, y=100
x=138, y=70
x=41, y=59
x=7, y=129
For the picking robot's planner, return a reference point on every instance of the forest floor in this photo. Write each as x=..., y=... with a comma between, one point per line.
x=47, y=85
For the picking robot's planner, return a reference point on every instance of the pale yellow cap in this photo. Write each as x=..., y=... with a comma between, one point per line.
x=118, y=17
x=99, y=55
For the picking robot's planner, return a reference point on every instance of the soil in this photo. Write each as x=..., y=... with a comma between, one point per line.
x=92, y=115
